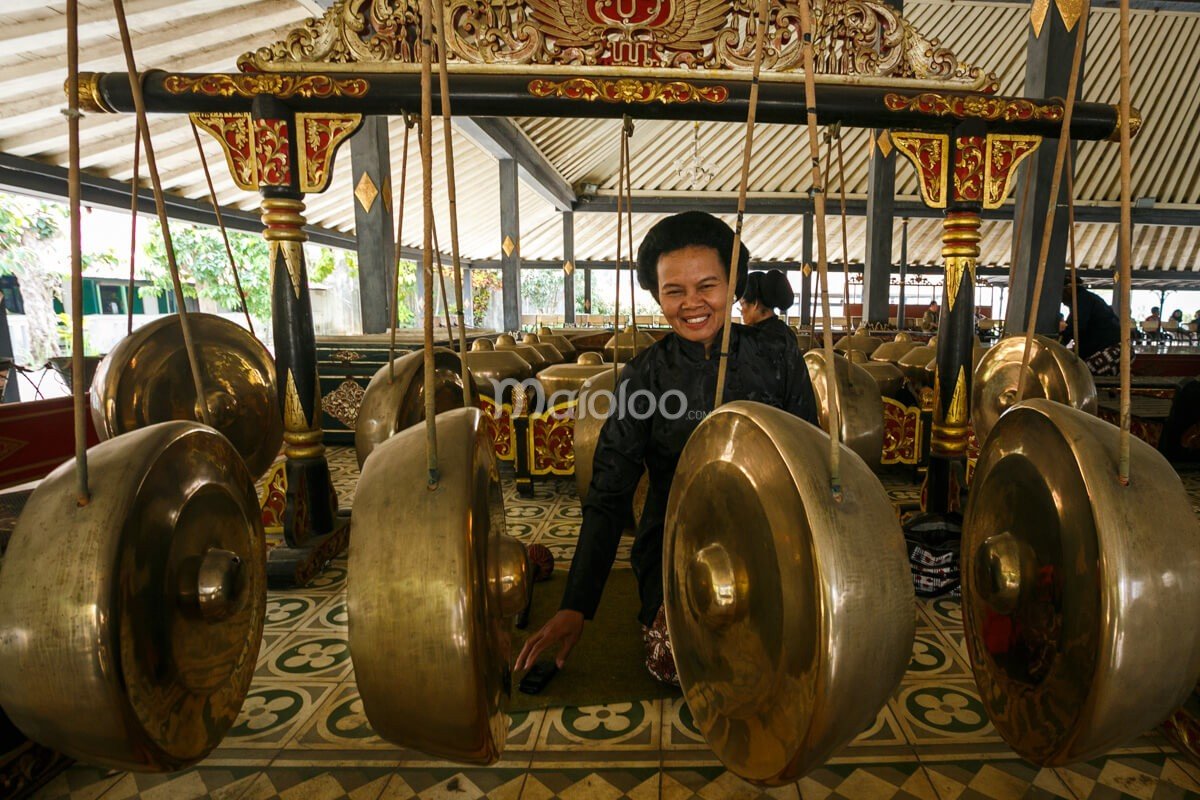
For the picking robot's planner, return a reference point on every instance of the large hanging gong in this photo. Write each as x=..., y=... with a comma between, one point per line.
x=131, y=625
x=790, y=613
x=395, y=400
x=1055, y=373
x=861, y=404
x=1080, y=595
x=431, y=643
x=146, y=379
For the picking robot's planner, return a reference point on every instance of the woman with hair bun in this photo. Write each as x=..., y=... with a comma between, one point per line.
x=765, y=293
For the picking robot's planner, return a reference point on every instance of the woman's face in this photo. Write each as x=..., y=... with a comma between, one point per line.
x=692, y=290
x=754, y=313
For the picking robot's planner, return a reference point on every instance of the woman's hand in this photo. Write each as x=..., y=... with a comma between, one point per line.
x=564, y=629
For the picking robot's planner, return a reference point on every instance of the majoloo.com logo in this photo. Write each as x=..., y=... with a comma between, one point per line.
x=640, y=404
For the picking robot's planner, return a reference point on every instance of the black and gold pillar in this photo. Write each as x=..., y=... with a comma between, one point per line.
x=284, y=155
x=963, y=171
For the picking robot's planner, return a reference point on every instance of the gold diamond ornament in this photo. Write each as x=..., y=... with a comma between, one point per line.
x=508, y=246
x=366, y=192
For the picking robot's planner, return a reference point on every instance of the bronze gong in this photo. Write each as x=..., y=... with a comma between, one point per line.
x=913, y=363
x=531, y=354
x=560, y=342
x=790, y=612
x=861, y=404
x=1080, y=595
x=859, y=340
x=391, y=405
x=887, y=375
x=589, y=358
x=548, y=351
x=591, y=411
x=894, y=350
x=146, y=379
x=131, y=625
x=1055, y=373
x=627, y=344
x=434, y=582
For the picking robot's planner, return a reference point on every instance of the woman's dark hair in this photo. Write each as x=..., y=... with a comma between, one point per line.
x=689, y=229
x=769, y=288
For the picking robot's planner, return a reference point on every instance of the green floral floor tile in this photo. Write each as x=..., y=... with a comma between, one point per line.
x=288, y=611
x=935, y=712
x=934, y=657
x=274, y=712
x=309, y=655
x=619, y=726
x=330, y=615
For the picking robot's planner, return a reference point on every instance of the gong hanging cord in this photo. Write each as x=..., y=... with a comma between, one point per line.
x=73, y=194
x=1071, y=245
x=627, y=128
x=437, y=255
x=619, y=268
x=424, y=140
x=133, y=205
x=760, y=35
x=394, y=302
x=212, y=198
x=1125, y=239
x=452, y=196
x=837, y=134
x=139, y=102
x=833, y=417
x=1060, y=158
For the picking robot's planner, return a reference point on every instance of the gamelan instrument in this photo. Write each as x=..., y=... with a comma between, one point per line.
x=628, y=343
x=395, y=400
x=145, y=380
x=894, y=350
x=887, y=375
x=548, y=351
x=1080, y=593
x=535, y=357
x=860, y=404
x=1055, y=373
x=859, y=340
x=914, y=362
x=132, y=624
x=562, y=343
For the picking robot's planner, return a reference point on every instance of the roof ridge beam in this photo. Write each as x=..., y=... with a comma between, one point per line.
x=502, y=139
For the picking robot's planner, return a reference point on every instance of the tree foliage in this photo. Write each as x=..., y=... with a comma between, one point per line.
x=33, y=246
x=204, y=266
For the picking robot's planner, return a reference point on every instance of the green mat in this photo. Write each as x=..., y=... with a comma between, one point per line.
x=608, y=665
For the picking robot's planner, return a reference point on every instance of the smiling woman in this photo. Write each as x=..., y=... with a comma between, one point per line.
x=684, y=263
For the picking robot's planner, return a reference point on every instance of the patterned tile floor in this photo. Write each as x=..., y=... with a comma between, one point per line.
x=302, y=734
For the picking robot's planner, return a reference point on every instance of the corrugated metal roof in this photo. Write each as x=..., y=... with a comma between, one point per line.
x=209, y=35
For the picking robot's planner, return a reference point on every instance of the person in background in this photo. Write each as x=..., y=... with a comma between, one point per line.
x=929, y=322
x=766, y=293
x=1099, y=342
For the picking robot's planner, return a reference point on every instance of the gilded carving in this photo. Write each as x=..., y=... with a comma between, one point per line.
x=321, y=134
x=963, y=106
x=294, y=418
x=343, y=402
x=968, y=168
x=956, y=415
x=927, y=152
x=293, y=260
x=235, y=134
x=90, y=99
x=271, y=152
x=1004, y=153
x=254, y=84
x=855, y=39
x=628, y=90
x=956, y=268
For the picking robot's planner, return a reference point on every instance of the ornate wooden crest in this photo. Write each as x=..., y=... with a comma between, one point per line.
x=858, y=41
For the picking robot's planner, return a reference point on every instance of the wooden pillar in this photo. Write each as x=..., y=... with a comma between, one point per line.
x=900, y=320
x=569, y=267
x=371, y=162
x=881, y=202
x=952, y=174
x=806, y=255
x=510, y=244
x=1047, y=72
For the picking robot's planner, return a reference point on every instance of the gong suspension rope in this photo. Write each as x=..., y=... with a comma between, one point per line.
x=212, y=198
x=448, y=144
x=437, y=254
x=627, y=128
x=760, y=36
x=73, y=192
x=1060, y=157
x=1125, y=237
x=1071, y=245
x=424, y=140
x=133, y=204
x=619, y=268
x=394, y=302
x=139, y=102
x=833, y=417
x=837, y=135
